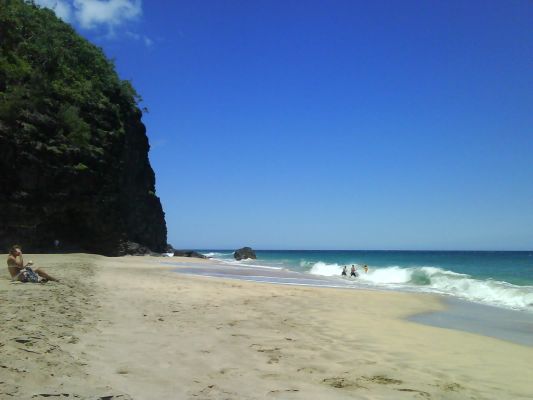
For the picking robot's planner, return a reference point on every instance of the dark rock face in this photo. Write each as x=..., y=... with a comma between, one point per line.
x=188, y=253
x=100, y=209
x=244, y=253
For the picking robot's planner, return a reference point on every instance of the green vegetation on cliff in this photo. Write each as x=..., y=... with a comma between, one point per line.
x=51, y=77
x=73, y=149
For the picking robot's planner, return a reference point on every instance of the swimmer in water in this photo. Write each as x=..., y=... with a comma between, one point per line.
x=366, y=268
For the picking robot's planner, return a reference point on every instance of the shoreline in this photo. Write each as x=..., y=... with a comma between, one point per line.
x=462, y=315
x=502, y=279
x=510, y=325
x=132, y=327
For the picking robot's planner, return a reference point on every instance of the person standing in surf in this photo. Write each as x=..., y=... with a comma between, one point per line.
x=353, y=272
x=344, y=271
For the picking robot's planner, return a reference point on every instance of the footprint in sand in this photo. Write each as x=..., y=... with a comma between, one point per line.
x=426, y=395
x=122, y=371
x=274, y=354
x=228, y=371
x=451, y=387
x=342, y=383
x=240, y=335
x=213, y=390
x=311, y=370
x=282, y=391
x=270, y=376
x=382, y=380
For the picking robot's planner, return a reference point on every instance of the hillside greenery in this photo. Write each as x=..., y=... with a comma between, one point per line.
x=56, y=88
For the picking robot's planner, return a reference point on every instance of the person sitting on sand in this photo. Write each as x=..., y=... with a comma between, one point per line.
x=353, y=271
x=23, y=273
x=344, y=271
x=366, y=268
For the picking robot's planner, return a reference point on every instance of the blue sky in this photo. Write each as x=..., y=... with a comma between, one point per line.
x=331, y=124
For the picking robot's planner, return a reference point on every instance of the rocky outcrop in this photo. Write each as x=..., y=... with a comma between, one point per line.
x=73, y=149
x=188, y=253
x=244, y=253
x=136, y=249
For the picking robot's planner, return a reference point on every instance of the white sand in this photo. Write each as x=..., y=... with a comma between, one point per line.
x=131, y=326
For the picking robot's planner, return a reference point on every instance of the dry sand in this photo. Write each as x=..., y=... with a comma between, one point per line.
x=131, y=328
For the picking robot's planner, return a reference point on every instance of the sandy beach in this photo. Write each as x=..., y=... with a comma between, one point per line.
x=131, y=328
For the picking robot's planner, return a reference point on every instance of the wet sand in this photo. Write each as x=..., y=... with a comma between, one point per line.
x=510, y=325
x=132, y=328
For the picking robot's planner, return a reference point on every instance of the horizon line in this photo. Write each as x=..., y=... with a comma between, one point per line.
x=413, y=250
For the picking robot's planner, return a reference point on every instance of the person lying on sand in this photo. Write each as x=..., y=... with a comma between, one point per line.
x=23, y=273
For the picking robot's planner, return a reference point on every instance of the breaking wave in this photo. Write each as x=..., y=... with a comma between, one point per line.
x=437, y=280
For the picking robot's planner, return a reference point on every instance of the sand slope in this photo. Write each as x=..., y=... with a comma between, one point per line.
x=41, y=325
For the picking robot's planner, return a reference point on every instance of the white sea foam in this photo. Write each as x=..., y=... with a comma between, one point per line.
x=215, y=254
x=248, y=262
x=227, y=258
x=321, y=268
x=437, y=280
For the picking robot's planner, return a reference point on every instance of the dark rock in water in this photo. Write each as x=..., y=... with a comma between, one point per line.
x=188, y=253
x=73, y=150
x=244, y=253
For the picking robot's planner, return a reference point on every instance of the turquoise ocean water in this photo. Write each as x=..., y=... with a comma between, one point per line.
x=503, y=279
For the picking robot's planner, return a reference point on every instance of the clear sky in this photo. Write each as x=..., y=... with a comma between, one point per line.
x=331, y=124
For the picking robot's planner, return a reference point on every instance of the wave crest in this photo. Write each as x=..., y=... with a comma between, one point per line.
x=438, y=280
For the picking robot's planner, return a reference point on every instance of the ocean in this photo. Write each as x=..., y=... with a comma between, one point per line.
x=498, y=278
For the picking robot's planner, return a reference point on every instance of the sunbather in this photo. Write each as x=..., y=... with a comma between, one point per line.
x=24, y=273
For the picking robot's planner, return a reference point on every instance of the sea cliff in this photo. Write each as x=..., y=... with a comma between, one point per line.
x=73, y=149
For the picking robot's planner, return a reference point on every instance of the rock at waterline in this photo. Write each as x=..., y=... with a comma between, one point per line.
x=244, y=253
x=188, y=253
